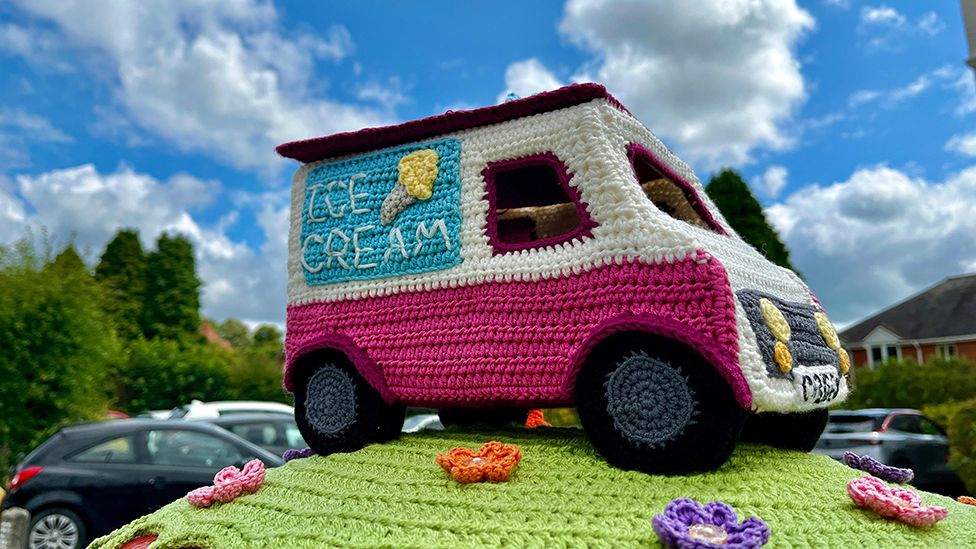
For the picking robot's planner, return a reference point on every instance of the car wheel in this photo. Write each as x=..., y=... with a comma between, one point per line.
x=651, y=404
x=799, y=431
x=56, y=528
x=489, y=417
x=336, y=410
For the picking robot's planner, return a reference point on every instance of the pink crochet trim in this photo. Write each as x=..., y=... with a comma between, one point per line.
x=472, y=344
x=893, y=503
x=229, y=483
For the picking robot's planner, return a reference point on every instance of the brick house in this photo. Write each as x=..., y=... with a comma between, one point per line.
x=939, y=321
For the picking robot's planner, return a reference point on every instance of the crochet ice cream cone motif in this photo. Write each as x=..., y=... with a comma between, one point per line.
x=417, y=172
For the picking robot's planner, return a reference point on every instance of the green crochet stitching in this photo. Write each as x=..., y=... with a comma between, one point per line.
x=562, y=494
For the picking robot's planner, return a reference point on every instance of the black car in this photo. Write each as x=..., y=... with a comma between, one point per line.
x=273, y=432
x=87, y=480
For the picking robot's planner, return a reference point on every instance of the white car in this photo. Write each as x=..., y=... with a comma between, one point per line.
x=209, y=410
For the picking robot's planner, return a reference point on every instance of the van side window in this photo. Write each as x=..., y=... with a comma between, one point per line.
x=532, y=204
x=669, y=194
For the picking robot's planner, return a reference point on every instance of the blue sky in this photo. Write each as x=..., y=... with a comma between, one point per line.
x=854, y=122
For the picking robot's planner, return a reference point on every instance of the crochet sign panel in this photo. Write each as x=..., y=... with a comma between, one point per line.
x=389, y=213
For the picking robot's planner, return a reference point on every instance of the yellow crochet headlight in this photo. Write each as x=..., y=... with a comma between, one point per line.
x=827, y=331
x=845, y=361
x=775, y=320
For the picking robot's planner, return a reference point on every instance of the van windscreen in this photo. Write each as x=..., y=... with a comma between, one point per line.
x=674, y=198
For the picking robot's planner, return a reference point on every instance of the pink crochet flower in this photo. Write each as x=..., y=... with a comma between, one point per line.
x=229, y=483
x=894, y=503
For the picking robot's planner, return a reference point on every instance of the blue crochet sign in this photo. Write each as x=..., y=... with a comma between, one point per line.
x=384, y=214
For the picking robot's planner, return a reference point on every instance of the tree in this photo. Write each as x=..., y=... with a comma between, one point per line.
x=236, y=333
x=172, y=304
x=744, y=213
x=54, y=343
x=165, y=373
x=70, y=263
x=122, y=271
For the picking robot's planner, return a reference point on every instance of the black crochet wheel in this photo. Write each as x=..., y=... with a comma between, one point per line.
x=489, y=417
x=651, y=404
x=336, y=410
x=799, y=431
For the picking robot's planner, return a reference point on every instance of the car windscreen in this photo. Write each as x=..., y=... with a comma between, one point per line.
x=853, y=423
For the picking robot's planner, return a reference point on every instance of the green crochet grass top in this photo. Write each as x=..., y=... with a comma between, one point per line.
x=562, y=494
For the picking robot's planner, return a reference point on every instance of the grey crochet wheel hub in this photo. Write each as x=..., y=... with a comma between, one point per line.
x=330, y=404
x=649, y=400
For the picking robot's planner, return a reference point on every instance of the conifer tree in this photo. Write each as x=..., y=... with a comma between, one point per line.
x=741, y=209
x=172, y=304
x=122, y=272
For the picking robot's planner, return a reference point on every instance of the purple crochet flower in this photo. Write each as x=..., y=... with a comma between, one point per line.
x=297, y=454
x=875, y=468
x=685, y=524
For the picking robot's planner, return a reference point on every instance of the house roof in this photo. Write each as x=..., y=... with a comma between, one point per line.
x=311, y=150
x=945, y=310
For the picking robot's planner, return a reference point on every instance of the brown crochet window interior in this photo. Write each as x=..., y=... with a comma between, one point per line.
x=676, y=200
x=532, y=204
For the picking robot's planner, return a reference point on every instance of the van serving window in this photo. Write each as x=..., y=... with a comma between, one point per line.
x=532, y=204
x=671, y=195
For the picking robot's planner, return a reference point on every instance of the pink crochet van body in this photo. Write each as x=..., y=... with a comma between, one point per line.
x=548, y=251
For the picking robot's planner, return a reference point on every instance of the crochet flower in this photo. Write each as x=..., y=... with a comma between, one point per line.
x=894, y=503
x=229, y=483
x=292, y=453
x=686, y=524
x=967, y=500
x=876, y=468
x=494, y=461
x=536, y=418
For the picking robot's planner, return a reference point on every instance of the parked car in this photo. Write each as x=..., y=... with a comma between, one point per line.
x=87, y=480
x=898, y=437
x=421, y=422
x=273, y=432
x=208, y=410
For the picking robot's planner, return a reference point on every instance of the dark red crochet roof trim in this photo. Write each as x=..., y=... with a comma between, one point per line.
x=341, y=144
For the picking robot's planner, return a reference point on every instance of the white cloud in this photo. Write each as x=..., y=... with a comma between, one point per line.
x=772, y=181
x=528, y=77
x=887, y=27
x=945, y=77
x=881, y=15
x=930, y=24
x=964, y=144
x=217, y=77
x=717, y=79
x=90, y=206
x=18, y=129
x=865, y=242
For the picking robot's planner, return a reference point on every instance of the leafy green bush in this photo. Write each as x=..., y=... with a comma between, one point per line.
x=943, y=413
x=54, y=345
x=161, y=374
x=962, y=444
x=906, y=384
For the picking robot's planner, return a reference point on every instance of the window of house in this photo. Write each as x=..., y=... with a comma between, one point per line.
x=669, y=195
x=946, y=351
x=532, y=205
x=191, y=449
x=882, y=353
x=117, y=450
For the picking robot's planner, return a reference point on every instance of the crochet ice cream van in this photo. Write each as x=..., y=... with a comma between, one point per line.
x=548, y=251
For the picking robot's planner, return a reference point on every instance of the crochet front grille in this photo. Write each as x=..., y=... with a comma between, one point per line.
x=562, y=494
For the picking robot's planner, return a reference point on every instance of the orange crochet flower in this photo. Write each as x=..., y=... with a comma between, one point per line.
x=494, y=461
x=967, y=500
x=536, y=419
